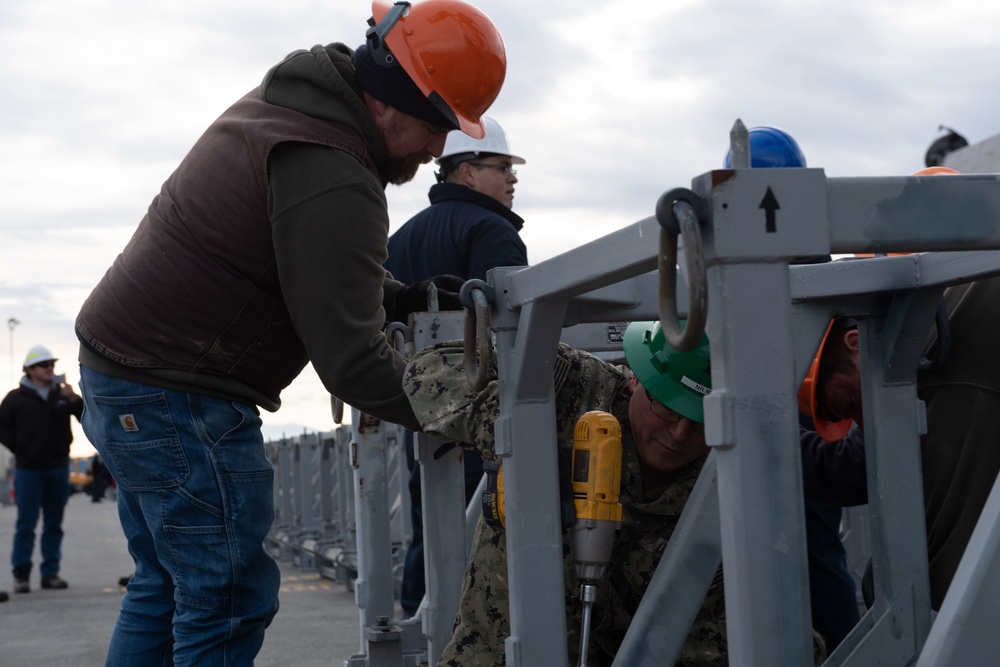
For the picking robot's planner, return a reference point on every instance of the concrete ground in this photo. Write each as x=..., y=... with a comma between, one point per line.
x=317, y=624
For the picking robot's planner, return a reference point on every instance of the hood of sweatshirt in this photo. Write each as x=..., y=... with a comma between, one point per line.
x=320, y=82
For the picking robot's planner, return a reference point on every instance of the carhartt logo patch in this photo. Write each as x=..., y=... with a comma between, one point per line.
x=128, y=422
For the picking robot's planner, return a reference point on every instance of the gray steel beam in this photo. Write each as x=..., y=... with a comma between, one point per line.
x=964, y=632
x=677, y=590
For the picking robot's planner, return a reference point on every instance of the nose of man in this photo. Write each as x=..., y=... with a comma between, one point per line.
x=436, y=144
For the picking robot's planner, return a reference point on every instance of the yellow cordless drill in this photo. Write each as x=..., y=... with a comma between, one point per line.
x=596, y=475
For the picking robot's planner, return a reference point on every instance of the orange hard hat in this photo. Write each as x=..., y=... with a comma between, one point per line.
x=453, y=53
x=936, y=171
x=809, y=401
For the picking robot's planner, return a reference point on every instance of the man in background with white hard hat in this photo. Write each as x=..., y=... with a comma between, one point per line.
x=35, y=426
x=468, y=229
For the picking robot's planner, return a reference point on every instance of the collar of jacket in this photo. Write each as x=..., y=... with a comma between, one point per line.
x=441, y=192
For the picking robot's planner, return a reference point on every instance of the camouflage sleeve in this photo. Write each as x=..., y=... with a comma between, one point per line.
x=450, y=410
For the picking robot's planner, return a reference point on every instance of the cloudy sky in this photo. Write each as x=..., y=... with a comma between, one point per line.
x=611, y=103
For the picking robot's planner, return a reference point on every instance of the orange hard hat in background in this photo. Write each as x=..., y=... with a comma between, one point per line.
x=936, y=171
x=808, y=399
x=452, y=51
x=926, y=171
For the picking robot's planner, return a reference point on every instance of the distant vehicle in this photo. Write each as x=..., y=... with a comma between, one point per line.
x=79, y=475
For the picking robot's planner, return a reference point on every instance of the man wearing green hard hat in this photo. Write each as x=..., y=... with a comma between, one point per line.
x=672, y=385
x=658, y=402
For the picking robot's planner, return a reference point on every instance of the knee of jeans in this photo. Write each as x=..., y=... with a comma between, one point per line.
x=204, y=565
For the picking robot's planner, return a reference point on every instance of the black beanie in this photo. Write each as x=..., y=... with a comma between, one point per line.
x=393, y=86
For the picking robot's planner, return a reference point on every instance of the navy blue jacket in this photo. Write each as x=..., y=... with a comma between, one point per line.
x=463, y=233
x=835, y=473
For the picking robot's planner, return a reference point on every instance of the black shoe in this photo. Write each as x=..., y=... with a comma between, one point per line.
x=3, y=596
x=123, y=581
x=22, y=585
x=55, y=581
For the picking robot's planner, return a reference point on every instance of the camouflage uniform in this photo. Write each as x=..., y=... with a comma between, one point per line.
x=451, y=411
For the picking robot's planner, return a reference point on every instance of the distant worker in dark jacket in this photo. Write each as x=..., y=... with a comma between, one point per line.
x=468, y=229
x=263, y=252
x=35, y=426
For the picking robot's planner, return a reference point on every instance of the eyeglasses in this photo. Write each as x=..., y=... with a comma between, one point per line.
x=44, y=364
x=502, y=167
x=660, y=411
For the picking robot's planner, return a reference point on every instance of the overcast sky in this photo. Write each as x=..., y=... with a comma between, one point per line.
x=611, y=103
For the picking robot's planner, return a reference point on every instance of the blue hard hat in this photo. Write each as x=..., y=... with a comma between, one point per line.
x=771, y=147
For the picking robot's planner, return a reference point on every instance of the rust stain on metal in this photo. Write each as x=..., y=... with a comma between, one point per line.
x=369, y=424
x=722, y=175
x=354, y=453
x=361, y=488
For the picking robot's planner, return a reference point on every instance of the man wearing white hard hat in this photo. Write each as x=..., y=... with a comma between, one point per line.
x=468, y=229
x=35, y=426
x=469, y=226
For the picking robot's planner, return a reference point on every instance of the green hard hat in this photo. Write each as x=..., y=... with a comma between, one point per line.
x=679, y=380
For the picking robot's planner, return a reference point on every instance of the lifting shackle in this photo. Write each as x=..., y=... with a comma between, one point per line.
x=476, y=296
x=680, y=211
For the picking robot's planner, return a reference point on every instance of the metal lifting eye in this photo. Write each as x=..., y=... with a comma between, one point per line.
x=681, y=211
x=476, y=296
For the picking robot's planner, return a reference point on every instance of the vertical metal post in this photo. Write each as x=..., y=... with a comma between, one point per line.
x=893, y=420
x=442, y=492
x=442, y=489
x=373, y=593
x=11, y=324
x=346, y=506
x=752, y=421
x=327, y=487
x=526, y=436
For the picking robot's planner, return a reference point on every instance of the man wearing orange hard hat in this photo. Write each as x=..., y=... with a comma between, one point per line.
x=263, y=252
x=959, y=383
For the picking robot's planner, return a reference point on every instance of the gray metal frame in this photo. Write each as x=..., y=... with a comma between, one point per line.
x=765, y=319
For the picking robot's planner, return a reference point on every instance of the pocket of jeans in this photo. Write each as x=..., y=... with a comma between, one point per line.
x=215, y=418
x=142, y=441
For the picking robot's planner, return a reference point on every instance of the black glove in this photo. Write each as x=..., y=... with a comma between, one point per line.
x=413, y=298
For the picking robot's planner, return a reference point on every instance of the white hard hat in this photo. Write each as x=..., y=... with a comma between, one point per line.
x=493, y=143
x=37, y=355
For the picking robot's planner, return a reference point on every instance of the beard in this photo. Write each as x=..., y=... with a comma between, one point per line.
x=399, y=170
x=402, y=170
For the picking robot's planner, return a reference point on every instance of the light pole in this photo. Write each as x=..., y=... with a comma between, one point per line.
x=11, y=323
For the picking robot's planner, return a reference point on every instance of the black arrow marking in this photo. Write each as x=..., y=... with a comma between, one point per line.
x=770, y=204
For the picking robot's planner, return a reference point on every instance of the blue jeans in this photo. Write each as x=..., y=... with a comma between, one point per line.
x=195, y=501
x=35, y=491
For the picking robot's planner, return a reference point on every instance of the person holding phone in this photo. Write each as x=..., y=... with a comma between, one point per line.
x=35, y=426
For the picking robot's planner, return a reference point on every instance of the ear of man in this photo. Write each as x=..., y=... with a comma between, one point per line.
x=851, y=340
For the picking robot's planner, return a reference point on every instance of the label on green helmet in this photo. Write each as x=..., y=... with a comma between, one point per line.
x=691, y=384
